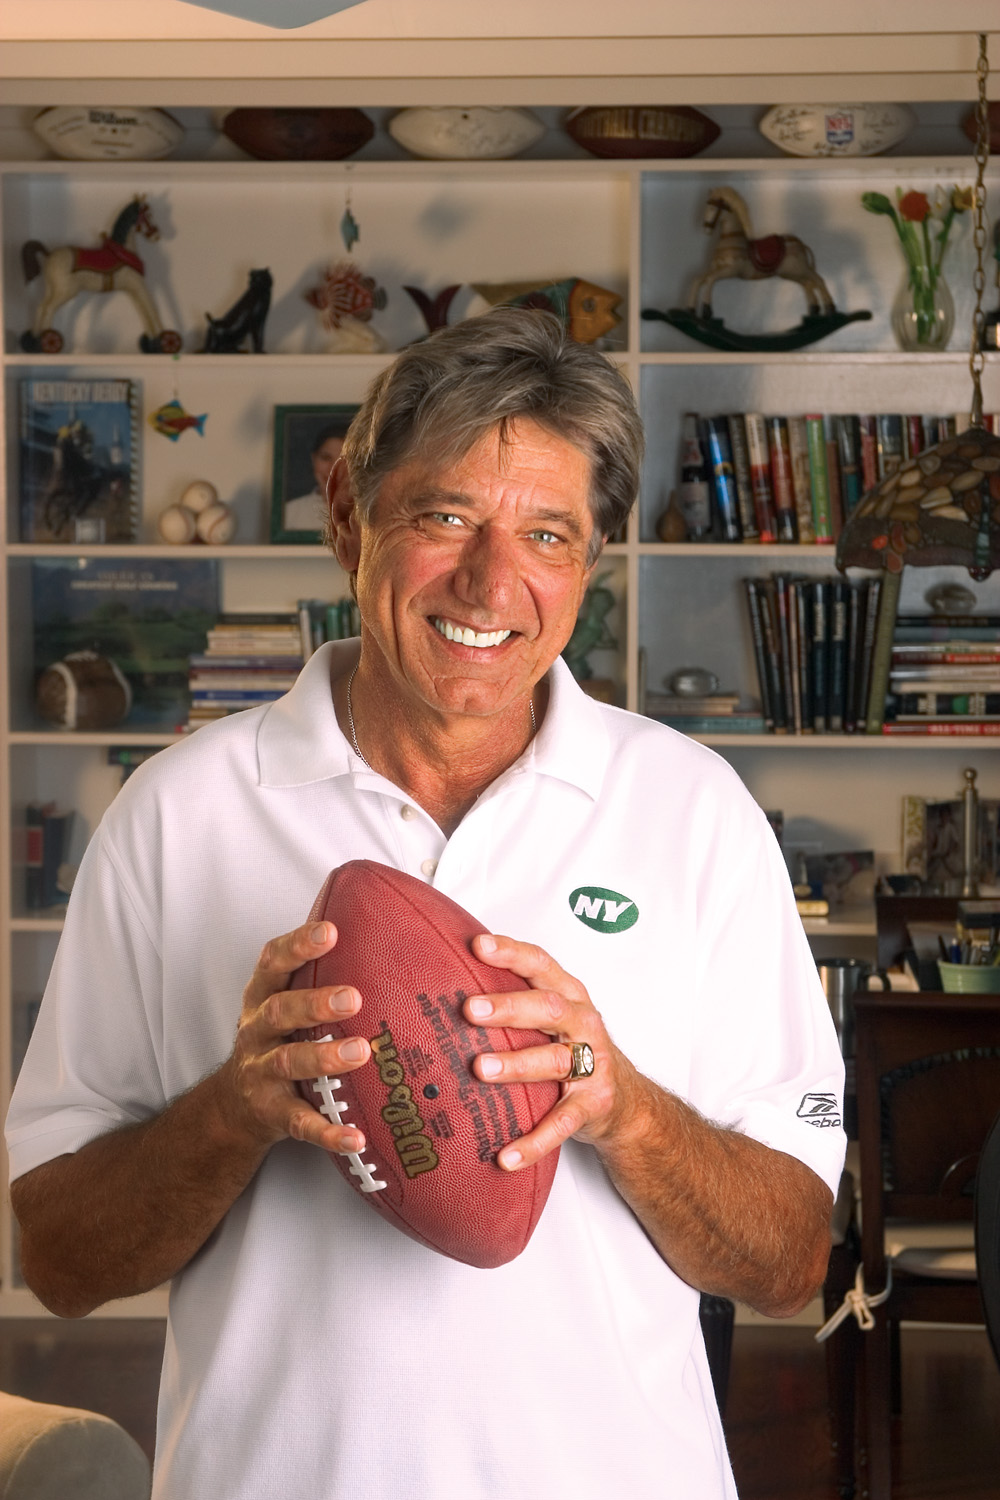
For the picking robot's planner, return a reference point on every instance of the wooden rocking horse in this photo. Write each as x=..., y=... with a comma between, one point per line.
x=737, y=254
x=111, y=266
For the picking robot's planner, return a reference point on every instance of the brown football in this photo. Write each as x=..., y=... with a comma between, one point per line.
x=432, y=1129
x=631, y=130
x=298, y=134
x=83, y=691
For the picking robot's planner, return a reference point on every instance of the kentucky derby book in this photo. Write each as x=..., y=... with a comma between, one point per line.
x=79, y=460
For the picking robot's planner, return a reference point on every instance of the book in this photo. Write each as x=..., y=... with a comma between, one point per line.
x=148, y=617
x=836, y=499
x=881, y=651
x=856, y=594
x=760, y=650
x=822, y=520
x=672, y=703
x=850, y=462
x=706, y=724
x=798, y=447
x=837, y=687
x=889, y=435
x=819, y=653
x=869, y=626
x=941, y=726
x=783, y=606
x=773, y=640
x=868, y=452
x=723, y=483
x=741, y=476
x=804, y=693
x=47, y=881
x=782, y=481
x=79, y=460
x=760, y=476
x=934, y=704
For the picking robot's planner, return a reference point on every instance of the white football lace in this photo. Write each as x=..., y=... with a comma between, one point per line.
x=334, y=1108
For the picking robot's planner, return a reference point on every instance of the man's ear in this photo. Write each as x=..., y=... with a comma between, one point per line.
x=345, y=530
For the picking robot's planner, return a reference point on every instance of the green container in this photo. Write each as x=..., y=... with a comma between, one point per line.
x=970, y=979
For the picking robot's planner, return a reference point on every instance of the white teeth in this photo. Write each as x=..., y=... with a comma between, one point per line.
x=467, y=637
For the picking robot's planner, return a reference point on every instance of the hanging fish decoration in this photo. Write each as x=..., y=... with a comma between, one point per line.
x=588, y=311
x=170, y=420
x=350, y=231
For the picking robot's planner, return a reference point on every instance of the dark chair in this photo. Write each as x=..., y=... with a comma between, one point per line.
x=928, y=1083
x=893, y=914
x=987, y=1219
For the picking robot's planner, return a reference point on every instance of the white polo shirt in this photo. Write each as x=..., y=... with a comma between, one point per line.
x=312, y=1349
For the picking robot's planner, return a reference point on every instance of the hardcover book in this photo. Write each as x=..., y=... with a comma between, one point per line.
x=148, y=617
x=79, y=460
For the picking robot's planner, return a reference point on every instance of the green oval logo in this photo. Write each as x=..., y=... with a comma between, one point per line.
x=603, y=910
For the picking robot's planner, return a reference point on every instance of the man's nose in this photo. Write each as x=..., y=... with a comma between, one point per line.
x=487, y=572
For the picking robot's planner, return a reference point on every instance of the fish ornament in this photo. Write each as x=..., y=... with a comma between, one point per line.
x=586, y=310
x=170, y=420
x=345, y=301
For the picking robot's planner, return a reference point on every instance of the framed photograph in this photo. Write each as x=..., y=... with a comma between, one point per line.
x=307, y=444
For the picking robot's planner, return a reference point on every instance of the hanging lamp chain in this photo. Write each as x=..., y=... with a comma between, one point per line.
x=977, y=358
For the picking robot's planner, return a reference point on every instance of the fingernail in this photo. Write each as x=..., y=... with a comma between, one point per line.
x=480, y=1008
x=354, y=1142
x=320, y=933
x=489, y=1067
x=487, y=943
x=510, y=1159
x=354, y=1050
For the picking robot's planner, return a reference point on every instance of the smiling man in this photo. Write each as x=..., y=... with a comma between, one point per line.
x=623, y=874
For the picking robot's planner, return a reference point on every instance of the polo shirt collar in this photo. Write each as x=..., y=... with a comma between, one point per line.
x=299, y=740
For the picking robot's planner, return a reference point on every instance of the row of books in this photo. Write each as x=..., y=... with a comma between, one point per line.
x=813, y=642
x=944, y=673
x=762, y=479
x=712, y=713
x=250, y=659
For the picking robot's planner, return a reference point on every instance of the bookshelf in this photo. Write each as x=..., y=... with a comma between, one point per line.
x=633, y=227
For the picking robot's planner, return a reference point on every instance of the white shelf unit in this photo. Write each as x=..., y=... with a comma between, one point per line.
x=629, y=226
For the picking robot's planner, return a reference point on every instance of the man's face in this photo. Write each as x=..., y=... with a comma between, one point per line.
x=470, y=574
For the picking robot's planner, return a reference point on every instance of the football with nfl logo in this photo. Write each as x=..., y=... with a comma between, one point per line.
x=432, y=1129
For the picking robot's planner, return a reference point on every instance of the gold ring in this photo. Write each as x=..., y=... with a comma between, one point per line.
x=582, y=1065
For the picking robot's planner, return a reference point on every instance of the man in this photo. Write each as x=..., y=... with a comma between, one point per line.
x=305, y=512
x=312, y=1349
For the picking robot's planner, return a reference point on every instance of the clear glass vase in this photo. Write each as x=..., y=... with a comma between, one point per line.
x=923, y=313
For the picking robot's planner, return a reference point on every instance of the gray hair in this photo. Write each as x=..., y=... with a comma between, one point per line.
x=445, y=393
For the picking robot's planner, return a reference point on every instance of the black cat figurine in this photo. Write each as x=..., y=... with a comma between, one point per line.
x=244, y=320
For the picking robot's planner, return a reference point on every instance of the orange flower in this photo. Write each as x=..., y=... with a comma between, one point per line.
x=914, y=207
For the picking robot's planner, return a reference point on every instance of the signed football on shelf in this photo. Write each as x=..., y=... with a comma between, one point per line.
x=837, y=129
x=646, y=130
x=479, y=133
x=83, y=691
x=79, y=132
x=432, y=1129
x=298, y=134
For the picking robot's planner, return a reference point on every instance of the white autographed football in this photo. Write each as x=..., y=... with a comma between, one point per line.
x=837, y=129
x=78, y=132
x=479, y=133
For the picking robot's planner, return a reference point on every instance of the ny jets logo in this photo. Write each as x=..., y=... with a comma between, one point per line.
x=603, y=910
x=821, y=1110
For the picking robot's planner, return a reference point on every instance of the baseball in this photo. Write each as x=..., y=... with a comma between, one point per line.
x=177, y=524
x=216, y=524
x=199, y=495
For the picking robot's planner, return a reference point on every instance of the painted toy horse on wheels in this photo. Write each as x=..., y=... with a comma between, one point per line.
x=737, y=254
x=111, y=266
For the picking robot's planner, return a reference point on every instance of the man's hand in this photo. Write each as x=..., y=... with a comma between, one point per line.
x=555, y=1003
x=129, y=1209
x=727, y=1214
x=266, y=1065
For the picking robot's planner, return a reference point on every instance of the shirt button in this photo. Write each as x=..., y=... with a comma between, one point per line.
x=428, y=867
x=407, y=812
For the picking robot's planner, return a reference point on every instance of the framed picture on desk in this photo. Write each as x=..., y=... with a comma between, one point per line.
x=307, y=444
